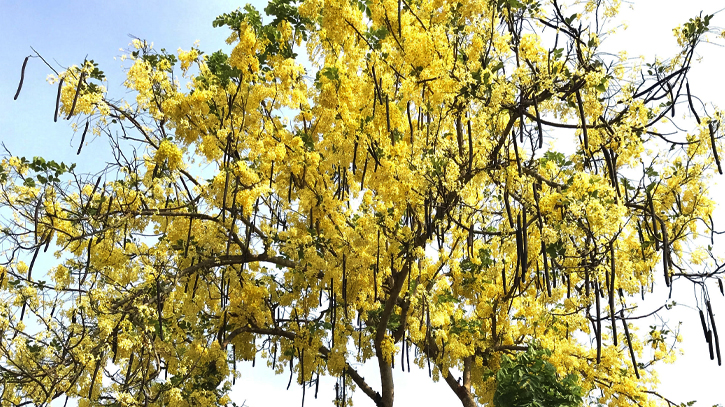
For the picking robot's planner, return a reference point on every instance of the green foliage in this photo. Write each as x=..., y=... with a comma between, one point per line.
x=47, y=171
x=219, y=66
x=695, y=27
x=279, y=10
x=530, y=381
x=557, y=158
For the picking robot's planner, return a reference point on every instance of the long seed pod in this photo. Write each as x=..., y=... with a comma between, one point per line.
x=234, y=362
x=75, y=98
x=196, y=282
x=83, y=139
x=568, y=286
x=711, y=127
x=22, y=78
x=128, y=371
x=470, y=144
x=611, y=294
x=317, y=384
x=32, y=262
x=290, y=371
x=375, y=270
x=599, y=324
x=365, y=168
x=302, y=373
x=344, y=282
x=344, y=388
x=525, y=244
x=516, y=149
x=410, y=124
x=57, y=100
x=689, y=100
x=503, y=278
x=402, y=353
x=704, y=325
x=333, y=315
x=650, y=203
x=274, y=356
x=93, y=380
x=666, y=260
x=714, y=332
x=583, y=121
x=629, y=343
x=427, y=339
x=538, y=123
x=407, y=355
x=520, y=249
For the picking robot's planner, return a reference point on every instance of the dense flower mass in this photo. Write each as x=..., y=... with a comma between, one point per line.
x=405, y=196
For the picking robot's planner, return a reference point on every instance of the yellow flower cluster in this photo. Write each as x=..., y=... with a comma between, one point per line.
x=170, y=153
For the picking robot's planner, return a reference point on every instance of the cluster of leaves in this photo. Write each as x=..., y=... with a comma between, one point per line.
x=47, y=171
x=279, y=10
x=695, y=27
x=529, y=380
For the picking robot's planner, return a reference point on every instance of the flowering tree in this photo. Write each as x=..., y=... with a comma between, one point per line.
x=403, y=199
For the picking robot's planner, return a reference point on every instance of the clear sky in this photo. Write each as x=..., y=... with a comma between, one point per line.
x=65, y=32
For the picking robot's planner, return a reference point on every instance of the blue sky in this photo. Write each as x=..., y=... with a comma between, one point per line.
x=68, y=31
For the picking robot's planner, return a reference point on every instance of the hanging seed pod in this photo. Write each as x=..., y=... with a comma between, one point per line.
x=354, y=157
x=128, y=371
x=290, y=372
x=83, y=138
x=428, y=339
x=520, y=249
x=629, y=343
x=344, y=389
x=302, y=374
x=611, y=294
x=689, y=100
x=234, y=362
x=317, y=385
x=274, y=356
x=582, y=117
x=333, y=315
x=503, y=278
x=704, y=325
x=714, y=332
x=75, y=98
x=57, y=100
x=22, y=78
x=254, y=344
x=407, y=354
x=711, y=127
x=538, y=124
x=525, y=245
x=344, y=282
x=508, y=207
x=599, y=324
x=365, y=169
x=516, y=147
x=402, y=353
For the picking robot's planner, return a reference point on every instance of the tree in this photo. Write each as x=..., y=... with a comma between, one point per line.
x=402, y=198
